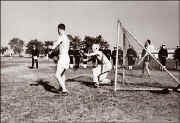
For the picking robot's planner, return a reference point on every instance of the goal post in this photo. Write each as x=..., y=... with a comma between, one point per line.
x=117, y=42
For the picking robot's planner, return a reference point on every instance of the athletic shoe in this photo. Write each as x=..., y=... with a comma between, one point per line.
x=60, y=89
x=96, y=85
x=65, y=93
x=106, y=82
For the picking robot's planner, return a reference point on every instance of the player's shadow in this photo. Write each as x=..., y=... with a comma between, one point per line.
x=88, y=83
x=30, y=67
x=45, y=85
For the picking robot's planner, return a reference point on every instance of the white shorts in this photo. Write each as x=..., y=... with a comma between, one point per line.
x=63, y=61
x=101, y=72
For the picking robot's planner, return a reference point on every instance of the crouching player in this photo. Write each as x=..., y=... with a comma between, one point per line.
x=103, y=67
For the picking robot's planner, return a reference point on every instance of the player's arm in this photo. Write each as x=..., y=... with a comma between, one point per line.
x=142, y=58
x=58, y=42
x=91, y=54
x=87, y=60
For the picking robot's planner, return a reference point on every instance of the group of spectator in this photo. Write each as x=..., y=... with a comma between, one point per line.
x=75, y=57
x=163, y=55
x=131, y=55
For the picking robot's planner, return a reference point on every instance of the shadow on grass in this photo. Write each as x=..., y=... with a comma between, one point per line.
x=148, y=84
x=30, y=67
x=45, y=85
x=82, y=82
x=88, y=82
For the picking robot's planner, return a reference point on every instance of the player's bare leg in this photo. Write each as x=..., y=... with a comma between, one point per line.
x=96, y=72
x=60, y=74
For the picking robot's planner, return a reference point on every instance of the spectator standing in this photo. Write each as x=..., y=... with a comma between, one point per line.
x=177, y=56
x=35, y=56
x=131, y=55
x=162, y=55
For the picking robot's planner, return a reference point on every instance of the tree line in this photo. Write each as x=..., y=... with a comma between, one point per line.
x=17, y=44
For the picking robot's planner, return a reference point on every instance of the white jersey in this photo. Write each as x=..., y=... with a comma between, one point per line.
x=101, y=57
x=64, y=43
x=150, y=49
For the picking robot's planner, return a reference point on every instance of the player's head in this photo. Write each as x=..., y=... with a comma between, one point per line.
x=61, y=28
x=95, y=47
x=149, y=41
x=164, y=46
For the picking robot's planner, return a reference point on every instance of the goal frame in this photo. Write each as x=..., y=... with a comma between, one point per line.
x=120, y=28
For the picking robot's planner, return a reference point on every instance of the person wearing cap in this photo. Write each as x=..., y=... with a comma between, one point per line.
x=162, y=55
x=131, y=55
x=77, y=58
x=113, y=56
x=147, y=57
x=71, y=55
x=177, y=56
x=85, y=57
x=35, y=56
x=120, y=56
x=103, y=67
x=63, y=62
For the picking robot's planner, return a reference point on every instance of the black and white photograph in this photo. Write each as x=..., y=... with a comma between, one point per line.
x=90, y=61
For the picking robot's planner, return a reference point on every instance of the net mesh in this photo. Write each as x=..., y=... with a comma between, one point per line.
x=134, y=78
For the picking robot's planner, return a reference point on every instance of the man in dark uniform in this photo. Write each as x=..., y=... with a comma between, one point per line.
x=71, y=56
x=120, y=56
x=177, y=56
x=131, y=55
x=113, y=55
x=162, y=55
x=107, y=52
x=35, y=56
x=77, y=58
x=84, y=57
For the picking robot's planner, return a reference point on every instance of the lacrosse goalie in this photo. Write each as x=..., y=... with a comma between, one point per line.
x=103, y=67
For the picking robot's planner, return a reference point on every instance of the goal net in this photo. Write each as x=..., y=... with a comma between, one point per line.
x=129, y=72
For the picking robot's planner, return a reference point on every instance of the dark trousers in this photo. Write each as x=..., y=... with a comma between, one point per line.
x=120, y=61
x=163, y=61
x=77, y=61
x=109, y=57
x=131, y=60
x=71, y=59
x=114, y=60
x=36, y=61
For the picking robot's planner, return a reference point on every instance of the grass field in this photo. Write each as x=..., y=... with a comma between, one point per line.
x=27, y=96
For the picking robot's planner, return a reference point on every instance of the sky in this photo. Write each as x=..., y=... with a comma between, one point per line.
x=154, y=20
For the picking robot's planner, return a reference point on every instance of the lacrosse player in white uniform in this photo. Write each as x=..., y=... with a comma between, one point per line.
x=103, y=67
x=146, y=57
x=63, y=62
